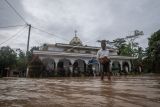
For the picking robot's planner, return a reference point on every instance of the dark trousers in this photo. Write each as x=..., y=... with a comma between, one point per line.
x=105, y=68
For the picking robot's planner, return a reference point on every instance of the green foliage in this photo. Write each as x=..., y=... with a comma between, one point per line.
x=125, y=50
x=15, y=59
x=21, y=61
x=30, y=53
x=35, y=67
x=8, y=57
x=153, y=52
x=128, y=49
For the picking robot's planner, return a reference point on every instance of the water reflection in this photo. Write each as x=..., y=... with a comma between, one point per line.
x=130, y=91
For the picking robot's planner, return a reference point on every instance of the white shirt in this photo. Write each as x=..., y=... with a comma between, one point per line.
x=102, y=53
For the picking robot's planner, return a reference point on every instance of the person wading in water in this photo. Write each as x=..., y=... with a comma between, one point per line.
x=103, y=58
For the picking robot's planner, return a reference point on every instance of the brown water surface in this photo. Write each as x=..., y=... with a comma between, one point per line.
x=125, y=91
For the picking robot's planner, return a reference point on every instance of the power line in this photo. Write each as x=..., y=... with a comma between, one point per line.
x=34, y=34
x=11, y=26
x=15, y=11
x=19, y=34
x=49, y=33
x=35, y=42
x=12, y=36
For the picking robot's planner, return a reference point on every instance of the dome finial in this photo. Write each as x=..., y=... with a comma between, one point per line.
x=75, y=33
x=76, y=40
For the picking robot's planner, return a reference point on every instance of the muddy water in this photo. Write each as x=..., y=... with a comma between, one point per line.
x=130, y=91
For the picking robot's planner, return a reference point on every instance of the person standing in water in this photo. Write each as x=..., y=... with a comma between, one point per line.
x=103, y=58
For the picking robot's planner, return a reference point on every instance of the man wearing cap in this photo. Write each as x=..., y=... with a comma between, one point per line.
x=103, y=58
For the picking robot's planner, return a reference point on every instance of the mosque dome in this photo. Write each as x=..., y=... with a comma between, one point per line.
x=76, y=41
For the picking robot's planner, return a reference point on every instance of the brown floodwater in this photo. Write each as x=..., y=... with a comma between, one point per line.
x=123, y=91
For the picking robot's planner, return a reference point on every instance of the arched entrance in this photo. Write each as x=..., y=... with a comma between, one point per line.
x=125, y=66
x=79, y=67
x=116, y=68
x=63, y=67
x=49, y=65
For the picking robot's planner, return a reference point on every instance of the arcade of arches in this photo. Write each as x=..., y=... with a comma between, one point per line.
x=54, y=66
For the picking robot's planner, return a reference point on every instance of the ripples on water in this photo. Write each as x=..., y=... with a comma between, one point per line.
x=131, y=91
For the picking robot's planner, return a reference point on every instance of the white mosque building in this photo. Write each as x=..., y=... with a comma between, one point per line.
x=60, y=55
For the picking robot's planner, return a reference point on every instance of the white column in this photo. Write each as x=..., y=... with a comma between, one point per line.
x=56, y=63
x=71, y=67
x=72, y=61
x=121, y=64
x=86, y=61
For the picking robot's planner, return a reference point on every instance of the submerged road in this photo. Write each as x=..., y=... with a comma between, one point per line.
x=124, y=91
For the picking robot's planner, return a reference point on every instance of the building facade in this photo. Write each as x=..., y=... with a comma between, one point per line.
x=68, y=56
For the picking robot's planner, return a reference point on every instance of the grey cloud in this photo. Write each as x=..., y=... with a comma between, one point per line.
x=94, y=19
x=8, y=16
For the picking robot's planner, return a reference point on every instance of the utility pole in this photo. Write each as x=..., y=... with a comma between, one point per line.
x=29, y=31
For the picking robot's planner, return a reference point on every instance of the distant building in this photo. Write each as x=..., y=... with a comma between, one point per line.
x=60, y=55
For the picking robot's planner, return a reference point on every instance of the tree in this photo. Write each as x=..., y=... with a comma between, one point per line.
x=153, y=52
x=21, y=63
x=35, y=67
x=120, y=44
x=30, y=53
x=125, y=48
x=7, y=58
x=14, y=59
x=130, y=48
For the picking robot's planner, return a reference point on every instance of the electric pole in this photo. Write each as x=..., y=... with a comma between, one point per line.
x=29, y=31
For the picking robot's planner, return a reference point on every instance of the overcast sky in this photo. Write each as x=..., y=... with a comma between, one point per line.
x=93, y=19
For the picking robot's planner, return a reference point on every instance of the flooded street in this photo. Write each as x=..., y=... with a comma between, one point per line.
x=129, y=91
